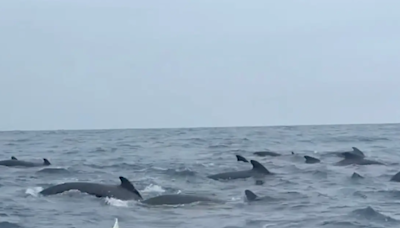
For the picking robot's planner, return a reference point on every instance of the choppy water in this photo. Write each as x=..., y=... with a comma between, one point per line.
x=178, y=160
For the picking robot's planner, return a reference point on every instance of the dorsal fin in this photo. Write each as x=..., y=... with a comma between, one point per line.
x=350, y=155
x=311, y=160
x=396, y=177
x=292, y=152
x=258, y=167
x=357, y=151
x=13, y=158
x=125, y=183
x=251, y=196
x=46, y=162
x=356, y=176
x=241, y=158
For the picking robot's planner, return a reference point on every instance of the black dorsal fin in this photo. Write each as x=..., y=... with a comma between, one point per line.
x=241, y=158
x=396, y=177
x=258, y=167
x=311, y=160
x=46, y=162
x=125, y=183
x=13, y=158
x=251, y=196
x=356, y=176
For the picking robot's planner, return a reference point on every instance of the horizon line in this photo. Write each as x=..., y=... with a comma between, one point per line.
x=172, y=128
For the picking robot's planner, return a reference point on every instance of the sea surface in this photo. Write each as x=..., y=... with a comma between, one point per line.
x=161, y=161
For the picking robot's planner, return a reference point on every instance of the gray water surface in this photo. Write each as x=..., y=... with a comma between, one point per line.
x=178, y=161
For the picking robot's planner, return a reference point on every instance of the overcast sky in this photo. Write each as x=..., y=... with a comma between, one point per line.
x=80, y=64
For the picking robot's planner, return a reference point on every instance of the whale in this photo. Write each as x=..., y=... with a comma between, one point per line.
x=354, y=159
x=123, y=191
x=350, y=158
x=241, y=158
x=311, y=160
x=251, y=196
x=266, y=153
x=178, y=199
x=258, y=169
x=14, y=162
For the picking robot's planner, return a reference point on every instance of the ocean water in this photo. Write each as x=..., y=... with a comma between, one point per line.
x=160, y=161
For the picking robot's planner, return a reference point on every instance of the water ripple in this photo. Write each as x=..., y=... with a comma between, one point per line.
x=177, y=161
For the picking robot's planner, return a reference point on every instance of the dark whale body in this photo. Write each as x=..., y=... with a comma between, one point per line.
x=353, y=159
x=355, y=151
x=396, y=177
x=124, y=191
x=257, y=170
x=178, y=199
x=311, y=160
x=14, y=162
x=266, y=153
x=356, y=176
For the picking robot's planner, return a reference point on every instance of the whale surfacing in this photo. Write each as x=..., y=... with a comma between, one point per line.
x=356, y=176
x=355, y=152
x=396, y=177
x=257, y=169
x=266, y=153
x=354, y=159
x=14, y=162
x=178, y=199
x=311, y=160
x=124, y=191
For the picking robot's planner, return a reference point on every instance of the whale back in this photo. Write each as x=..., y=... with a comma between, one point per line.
x=311, y=160
x=123, y=191
x=231, y=175
x=350, y=155
x=178, y=199
x=266, y=153
x=356, y=176
x=20, y=163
